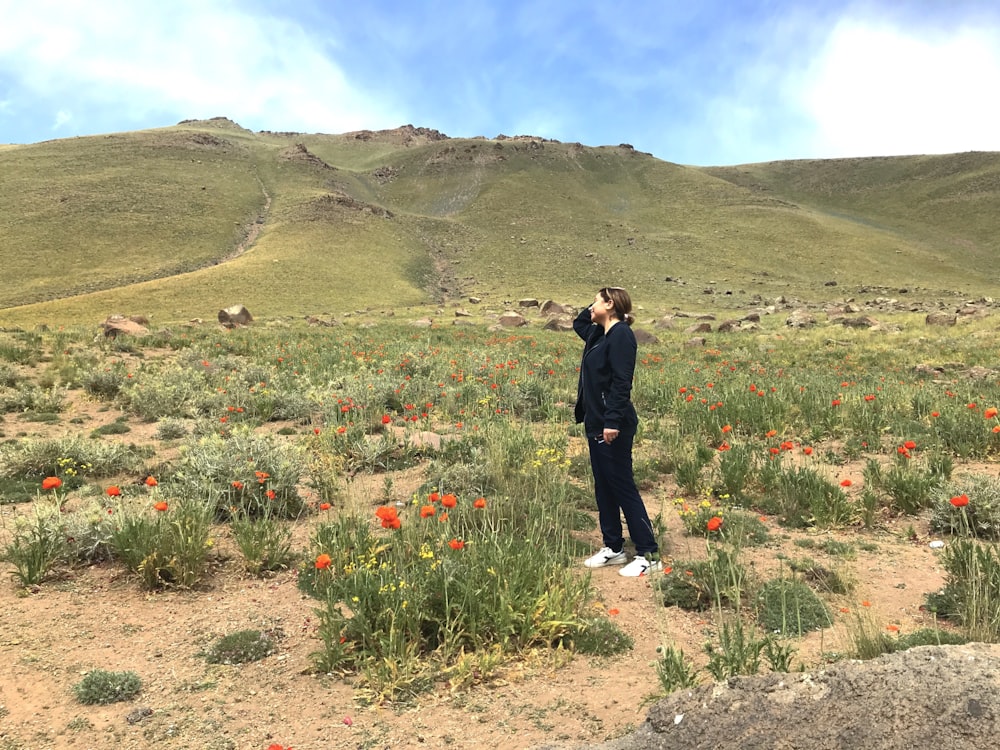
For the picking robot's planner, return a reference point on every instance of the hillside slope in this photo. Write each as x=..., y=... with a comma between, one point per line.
x=180, y=221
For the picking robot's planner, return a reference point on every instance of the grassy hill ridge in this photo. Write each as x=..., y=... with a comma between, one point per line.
x=155, y=222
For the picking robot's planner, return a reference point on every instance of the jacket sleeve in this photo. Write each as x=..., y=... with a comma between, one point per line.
x=583, y=323
x=621, y=357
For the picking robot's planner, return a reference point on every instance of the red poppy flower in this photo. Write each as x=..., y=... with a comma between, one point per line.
x=910, y=445
x=237, y=485
x=449, y=501
x=151, y=481
x=480, y=503
x=724, y=447
x=391, y=523
x=846, y=483
x=323, y=562
x=271, y=494
x=386, y=512
x=427, y=510
x=935, y=414
x=960, y=501
x=713, y=523
x=325, y=506
x=113, y=491
x=835, y=402
x=613, y=612
x=434, y=497
x=456, y=544
x=727, y=428
x=386, y=419
x=341, y=430
x=160, y=506
x=51, y=483
x=990, y=413
x=807, y=450
x=770, y=433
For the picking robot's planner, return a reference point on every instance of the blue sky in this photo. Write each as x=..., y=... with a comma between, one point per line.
x=704, y=82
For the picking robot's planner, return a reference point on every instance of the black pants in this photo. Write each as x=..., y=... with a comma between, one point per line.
x=616, y=493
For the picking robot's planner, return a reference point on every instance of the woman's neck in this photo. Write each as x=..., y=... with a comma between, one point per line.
x=609, y=323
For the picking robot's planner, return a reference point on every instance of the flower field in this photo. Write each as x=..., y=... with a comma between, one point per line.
x=382, y=528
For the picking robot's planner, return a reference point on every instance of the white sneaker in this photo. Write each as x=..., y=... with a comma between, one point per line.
x=605, y=557
x=640, y=566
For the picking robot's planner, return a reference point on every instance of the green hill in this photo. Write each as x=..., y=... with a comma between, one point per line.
x=177, y=222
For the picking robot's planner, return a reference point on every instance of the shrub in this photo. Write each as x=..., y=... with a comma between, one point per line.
x=980, y=518
x=164, y=548
x=971, y=594
x=241, y=647
x=244, y=473
x=599, y=636
x=265, y=542
x=100, y=687
x=674, y=670
x=716, y=582
x=38, y=543
x=789, y=606
x=400, y=610
x=41, y=458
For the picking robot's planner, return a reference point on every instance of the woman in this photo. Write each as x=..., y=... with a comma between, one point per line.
x=604, y=405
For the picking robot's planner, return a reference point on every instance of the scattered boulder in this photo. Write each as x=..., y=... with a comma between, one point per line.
x=645, y=337
x=527, y=302
x=117, y=325
x=940, y=319
x=977, y=372
x=753, y=317
x=422, y=323
x=512, y=319
x=666, y=322
x=460, y=313
x=863, y=321
x=236, y=315
x=313, y=320
x=800, y=318
x=699, y=328
x=695, y=341
x=558, y=323
x=549, y=307
x=728, y=326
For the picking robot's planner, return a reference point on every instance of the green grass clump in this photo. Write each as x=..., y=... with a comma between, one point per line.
x=600, y=636
x=790, y=607
x=100, y=687
x=241, y=647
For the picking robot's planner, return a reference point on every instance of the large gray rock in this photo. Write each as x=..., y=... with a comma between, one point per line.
x=800, y=319
x=236, y=315
x=929, y=697
x=118, y=325
x=940, y=319
x=512, y=319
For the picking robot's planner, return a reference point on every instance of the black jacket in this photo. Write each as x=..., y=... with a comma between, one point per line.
x=604, y=393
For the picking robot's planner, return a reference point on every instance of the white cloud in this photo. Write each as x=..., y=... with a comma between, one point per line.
x=188, y=58
x=879, y=90
x=62, y=118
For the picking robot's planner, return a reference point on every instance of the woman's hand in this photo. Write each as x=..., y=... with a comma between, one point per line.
x=610, y=435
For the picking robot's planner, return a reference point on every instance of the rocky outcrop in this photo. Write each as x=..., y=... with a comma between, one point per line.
x=236, y=315
x=928, y=697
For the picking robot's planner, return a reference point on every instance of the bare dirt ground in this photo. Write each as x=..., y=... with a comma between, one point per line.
x=99, y=618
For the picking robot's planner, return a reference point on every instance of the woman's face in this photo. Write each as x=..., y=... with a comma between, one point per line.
x=600, y=311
